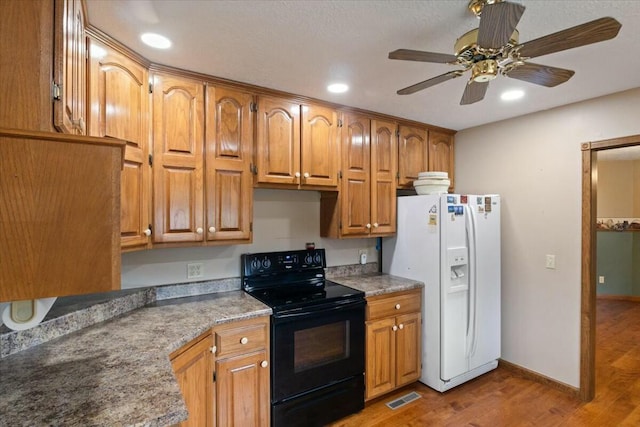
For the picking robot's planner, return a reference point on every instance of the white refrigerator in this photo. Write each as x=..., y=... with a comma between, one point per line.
x=451, y=243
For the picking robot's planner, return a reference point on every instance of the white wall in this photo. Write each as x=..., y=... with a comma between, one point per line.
x=534, y=162
x=282, y=220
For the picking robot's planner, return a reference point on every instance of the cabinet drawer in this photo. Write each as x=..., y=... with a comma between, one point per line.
x=394, y=304
x=241, y=338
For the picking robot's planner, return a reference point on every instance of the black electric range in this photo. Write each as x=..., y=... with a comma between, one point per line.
x=317, y=337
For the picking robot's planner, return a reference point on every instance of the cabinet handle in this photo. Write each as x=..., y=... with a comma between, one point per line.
x=368, y=225
x=400, y=326
x=306, y=175
x=212, y=229
x=78, y=125
x=375, y=225
x=199, y=230
x=244, y=340
x=394, y=328
x=264, y=364
x=297, y=174
x=213, y=349
x=147, y=232
x=397, y=306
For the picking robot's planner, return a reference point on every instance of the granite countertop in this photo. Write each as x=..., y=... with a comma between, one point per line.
x=116, y=372
x=373, y=284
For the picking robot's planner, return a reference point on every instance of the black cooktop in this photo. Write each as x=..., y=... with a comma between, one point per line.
x=291, y=280
x=288, y=298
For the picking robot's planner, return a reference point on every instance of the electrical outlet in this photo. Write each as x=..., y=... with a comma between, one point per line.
x=551, y=261
x=601, y=280
x=362, y=256
x=194, y=270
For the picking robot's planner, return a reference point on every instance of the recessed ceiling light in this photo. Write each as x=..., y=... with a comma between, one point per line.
x=512, y=95
x=156, y=40
x=337, y=88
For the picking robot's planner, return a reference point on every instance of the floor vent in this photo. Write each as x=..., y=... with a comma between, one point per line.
x=403, y=400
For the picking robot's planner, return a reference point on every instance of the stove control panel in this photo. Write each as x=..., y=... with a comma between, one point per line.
x=278, y=262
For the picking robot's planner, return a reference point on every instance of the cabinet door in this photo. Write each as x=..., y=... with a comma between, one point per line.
x=355, y=193
x=380, y=374
x=243, y=390
x=178, y=140
x=412, y=155
x=384, y=151
x=194, y=372
x=408, y=347
x=278, y=144
x=320, y=153
x=69, y=113
x=441, y=154
x=229, y=186
x=118, y=92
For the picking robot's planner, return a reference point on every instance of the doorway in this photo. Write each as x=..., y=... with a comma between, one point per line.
x=588, y=272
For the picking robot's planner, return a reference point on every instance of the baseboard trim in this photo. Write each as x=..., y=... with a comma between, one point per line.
x=537, y=377
x=619, y=297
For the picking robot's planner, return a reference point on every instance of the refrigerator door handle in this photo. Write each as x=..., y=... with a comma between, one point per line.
x=470, y=223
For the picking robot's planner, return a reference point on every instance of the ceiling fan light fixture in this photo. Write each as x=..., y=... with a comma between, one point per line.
x=484, y=71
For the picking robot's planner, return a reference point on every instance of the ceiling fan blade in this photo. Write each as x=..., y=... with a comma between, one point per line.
x=431, y=82
x=474, y=92
x=497, y=23
x=541, y=74
x=418, y=55
x=581, y=35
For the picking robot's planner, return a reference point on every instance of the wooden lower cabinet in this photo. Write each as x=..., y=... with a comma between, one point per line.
x=393, y=341
x=193, y=367
x=224, y=375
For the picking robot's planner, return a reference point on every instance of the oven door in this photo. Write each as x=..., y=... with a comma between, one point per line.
x=316, y=346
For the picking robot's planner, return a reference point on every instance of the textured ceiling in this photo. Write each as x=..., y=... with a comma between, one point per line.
x=301, y=46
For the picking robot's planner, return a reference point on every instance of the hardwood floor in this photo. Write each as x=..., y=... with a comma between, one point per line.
x=502, y=398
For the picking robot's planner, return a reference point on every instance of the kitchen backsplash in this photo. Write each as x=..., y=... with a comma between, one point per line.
x=73, y=313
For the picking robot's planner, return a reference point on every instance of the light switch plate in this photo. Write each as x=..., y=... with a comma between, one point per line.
x=551, y=261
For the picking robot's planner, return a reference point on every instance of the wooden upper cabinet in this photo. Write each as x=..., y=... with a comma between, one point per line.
x=229, y=149
x=70, y=74
x=412, y=155
x=278, y=142
x=355, y=193
x=441, y=154
x=119, y=100
x=178, y=143
x=320, y=149
x=59, y=214
x=297, y=145
x=384, y=152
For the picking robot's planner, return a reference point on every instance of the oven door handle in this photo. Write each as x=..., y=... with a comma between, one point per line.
x=320, y=309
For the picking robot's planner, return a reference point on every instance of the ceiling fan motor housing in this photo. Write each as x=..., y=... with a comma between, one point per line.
x=484, y=71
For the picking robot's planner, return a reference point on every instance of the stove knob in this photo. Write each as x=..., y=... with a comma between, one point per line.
x=266, y=263
x=255, y=264
x=308, y=259
x=318, y=259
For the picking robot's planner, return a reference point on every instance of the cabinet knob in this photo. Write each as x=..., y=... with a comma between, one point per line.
x=244, y=340
x=306, y=175
x=368, y=225
x=212, y=229
x=297, y=174
x=213, y=349
x=199, y=230
x=375, y=225
x=78, y=125
x=400, y=326
x=394, y=328
x=264, y=364
x=147, y=232
x=397, y=306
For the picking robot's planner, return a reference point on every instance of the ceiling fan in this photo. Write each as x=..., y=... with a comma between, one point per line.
x=493, y=49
